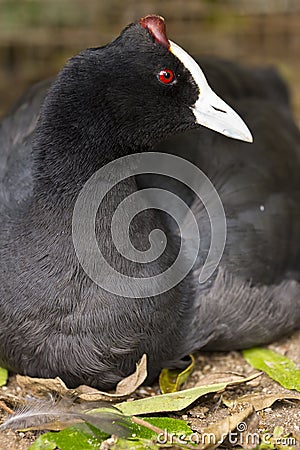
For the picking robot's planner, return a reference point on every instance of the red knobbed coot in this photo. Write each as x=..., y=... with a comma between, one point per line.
x=140, y=93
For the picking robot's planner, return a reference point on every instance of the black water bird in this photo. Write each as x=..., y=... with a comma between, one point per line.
x=142, y=92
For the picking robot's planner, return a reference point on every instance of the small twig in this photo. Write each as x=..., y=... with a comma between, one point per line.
x=148, y=425
x=6, y=408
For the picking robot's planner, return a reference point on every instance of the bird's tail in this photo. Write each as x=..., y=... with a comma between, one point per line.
x=232, y=314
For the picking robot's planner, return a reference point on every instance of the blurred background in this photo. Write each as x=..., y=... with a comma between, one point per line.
x=37, y=36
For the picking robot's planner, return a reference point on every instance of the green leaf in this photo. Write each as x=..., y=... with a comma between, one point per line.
x=172, y=380
x=176, y=401
x=278, y=367
x=146, y=438
x=176, y=426
x=77, y=437
x=142, y=444
x=43, y=443
x=3, y=376
x=278, y=432
x=86, y=437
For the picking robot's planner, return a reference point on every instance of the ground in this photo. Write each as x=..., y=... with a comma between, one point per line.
x=210, y=368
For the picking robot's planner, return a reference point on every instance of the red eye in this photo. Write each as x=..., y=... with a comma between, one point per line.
x=166, y=76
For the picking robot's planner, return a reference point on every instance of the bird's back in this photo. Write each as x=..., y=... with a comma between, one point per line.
x=16, y=133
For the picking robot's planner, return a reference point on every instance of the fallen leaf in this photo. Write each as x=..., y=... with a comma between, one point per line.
x=177, y=427
x=131, y=383
x=40, y=386
x=221, y=377
x=261, y=401
x=3, y=376
x=79, y=437
x=89, y=394
x=174, y=401
x=11, y=399
x=172, y=380
x=213, y=435
x=278, y=367
x=141, y=444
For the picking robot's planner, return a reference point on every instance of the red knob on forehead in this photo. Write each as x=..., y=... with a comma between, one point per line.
x=157, y=27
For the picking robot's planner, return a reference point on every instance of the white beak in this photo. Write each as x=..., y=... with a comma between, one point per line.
x=210, y=110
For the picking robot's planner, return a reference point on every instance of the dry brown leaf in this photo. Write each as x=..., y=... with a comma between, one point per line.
x=223, y=377
x=250, y=438
x=12, y=400
x=215, y=434
x=131, y=383
x=40, y=386
x=97, y=396
x=262, y=401
x=89, y=394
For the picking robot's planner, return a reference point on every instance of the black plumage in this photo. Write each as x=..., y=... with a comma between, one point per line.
x=106, y=103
